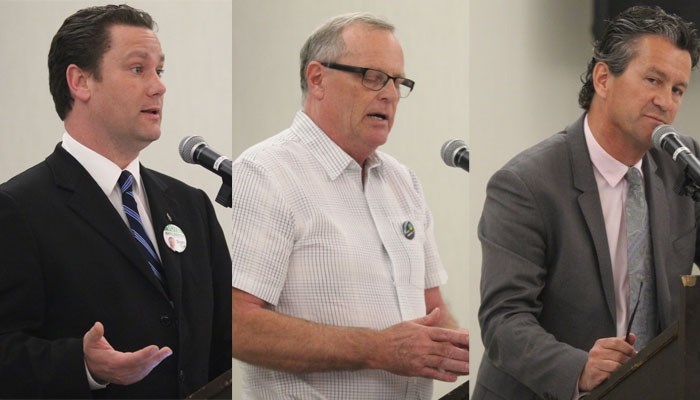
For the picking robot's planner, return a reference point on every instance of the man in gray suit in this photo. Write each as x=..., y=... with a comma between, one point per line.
x=555, y=288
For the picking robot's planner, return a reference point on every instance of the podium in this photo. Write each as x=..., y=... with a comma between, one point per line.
x=219, y=388
x=669, y=366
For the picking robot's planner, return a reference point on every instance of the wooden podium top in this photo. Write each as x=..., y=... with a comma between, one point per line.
x=668, y=367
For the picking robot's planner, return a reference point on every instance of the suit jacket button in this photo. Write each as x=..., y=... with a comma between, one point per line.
x=165, y=320
x=181, y=376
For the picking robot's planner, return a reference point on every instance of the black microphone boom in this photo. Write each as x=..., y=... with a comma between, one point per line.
x=195, y=150
x=455, y=154
x=665, y=138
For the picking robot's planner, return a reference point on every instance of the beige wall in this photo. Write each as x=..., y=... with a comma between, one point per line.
x=196, y=38
x=268, y=35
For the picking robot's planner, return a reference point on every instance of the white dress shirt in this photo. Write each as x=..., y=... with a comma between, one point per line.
x=316, y=244
x=106, y=173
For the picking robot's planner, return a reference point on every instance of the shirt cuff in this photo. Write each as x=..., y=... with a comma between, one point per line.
x=94, y=385
x=578, y=394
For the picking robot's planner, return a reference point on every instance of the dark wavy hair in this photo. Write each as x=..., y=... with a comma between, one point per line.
x=82, y=40
x=618, y=44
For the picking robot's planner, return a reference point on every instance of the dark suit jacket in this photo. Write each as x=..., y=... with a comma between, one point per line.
x=547, y=287
x=67, y=259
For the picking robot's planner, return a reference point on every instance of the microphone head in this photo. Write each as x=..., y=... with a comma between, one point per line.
x=449, y=150
x=187, y=146
x=659, y=133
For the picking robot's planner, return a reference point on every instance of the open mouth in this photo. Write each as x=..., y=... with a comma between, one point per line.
x=153, y=111
x=378, y=116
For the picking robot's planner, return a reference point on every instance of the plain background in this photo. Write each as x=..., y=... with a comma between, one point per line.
x=267, y=37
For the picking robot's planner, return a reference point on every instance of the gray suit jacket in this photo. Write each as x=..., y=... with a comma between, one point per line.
x=547, y=288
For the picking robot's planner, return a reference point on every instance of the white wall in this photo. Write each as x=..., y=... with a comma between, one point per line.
x=196, y=38
x=268, y=35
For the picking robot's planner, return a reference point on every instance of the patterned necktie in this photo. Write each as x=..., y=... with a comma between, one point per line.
x=126, y=182
x=639, y=264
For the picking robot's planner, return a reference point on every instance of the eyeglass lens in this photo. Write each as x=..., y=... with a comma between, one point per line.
x=376, y=80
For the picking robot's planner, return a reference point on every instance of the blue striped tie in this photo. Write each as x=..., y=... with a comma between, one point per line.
x=126, y=182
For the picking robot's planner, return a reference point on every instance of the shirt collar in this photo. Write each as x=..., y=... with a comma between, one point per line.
x=333, y=158
x=102, y=170
x=609, y=168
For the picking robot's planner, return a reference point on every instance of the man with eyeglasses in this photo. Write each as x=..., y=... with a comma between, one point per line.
x=336, y=272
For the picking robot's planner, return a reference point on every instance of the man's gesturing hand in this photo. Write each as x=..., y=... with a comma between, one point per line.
x=419, y=348
x=108, y=365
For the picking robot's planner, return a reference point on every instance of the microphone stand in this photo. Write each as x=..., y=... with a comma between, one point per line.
x=686, y=186
x=224, y=197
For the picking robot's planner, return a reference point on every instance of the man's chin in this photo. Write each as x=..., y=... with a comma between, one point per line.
x=379, y=140
x=152, y=136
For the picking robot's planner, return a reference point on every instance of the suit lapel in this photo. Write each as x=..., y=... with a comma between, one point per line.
x=84, y=197
x=660, y=234
x=589, y=202
x=164, y=211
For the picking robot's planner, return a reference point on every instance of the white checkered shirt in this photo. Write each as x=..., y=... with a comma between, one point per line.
x=315, y=244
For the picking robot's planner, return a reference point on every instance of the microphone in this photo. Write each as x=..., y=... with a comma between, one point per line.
x=194, y=150
x=455, y=154
x=665, y=138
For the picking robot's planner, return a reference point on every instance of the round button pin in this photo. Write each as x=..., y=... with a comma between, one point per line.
x=174, y=238
x=409, y=232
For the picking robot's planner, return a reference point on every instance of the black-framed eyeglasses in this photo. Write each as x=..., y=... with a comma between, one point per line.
x=374, y=79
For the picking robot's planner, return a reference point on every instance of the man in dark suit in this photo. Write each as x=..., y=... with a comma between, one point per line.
x=93, y=301
x=555, y=287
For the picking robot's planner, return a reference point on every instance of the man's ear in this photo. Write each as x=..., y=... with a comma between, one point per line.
x=601, y=79
x=315, y=75
x=78, y=82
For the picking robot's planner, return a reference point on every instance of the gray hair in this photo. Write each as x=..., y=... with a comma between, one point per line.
x=618, y=45
x=326, y=43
